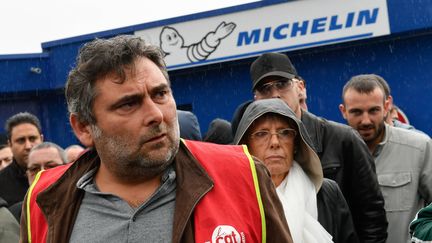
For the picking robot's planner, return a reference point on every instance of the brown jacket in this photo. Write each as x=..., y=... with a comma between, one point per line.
x=61, y=201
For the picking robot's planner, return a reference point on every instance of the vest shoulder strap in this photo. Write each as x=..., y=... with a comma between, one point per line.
x=36, y=223
x=233, y=209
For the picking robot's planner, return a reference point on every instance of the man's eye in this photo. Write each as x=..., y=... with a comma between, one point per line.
x=374, y=111
x=33, y=170
x=265, y=89
x=282, y=84
x=161, y=95
x=356, y=113
x=127, y=106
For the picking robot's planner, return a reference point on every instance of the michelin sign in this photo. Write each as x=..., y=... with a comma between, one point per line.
x=280, y=27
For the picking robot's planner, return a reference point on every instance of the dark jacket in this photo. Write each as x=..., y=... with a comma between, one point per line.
x=219, y=132
x=61, y=201
x=189, y=126
x=13, y=183
x=345, y=159
x=334, y=214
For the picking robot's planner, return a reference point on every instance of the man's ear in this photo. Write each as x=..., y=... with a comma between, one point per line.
x=301, y=85
x=388, y=104
x=343, y=111
x=82, y=131
x=390, y=100
x=42, y=137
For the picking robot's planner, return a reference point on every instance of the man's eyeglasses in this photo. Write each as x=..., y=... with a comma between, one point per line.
x=263, y=136
x=283, y=84
x=33, y=170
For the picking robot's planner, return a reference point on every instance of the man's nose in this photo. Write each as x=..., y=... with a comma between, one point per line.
x=152, y=113
x=28, y=144
x=365, y=119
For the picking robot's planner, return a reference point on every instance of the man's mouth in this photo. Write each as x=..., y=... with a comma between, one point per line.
x=157, y=138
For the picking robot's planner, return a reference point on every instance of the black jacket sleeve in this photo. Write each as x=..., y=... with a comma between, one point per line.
x=334, y=214
x=366, y=199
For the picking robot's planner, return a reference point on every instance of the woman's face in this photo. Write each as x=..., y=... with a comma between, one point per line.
x=271, y=139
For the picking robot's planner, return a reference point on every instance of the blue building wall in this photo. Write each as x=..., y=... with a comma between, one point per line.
x=216, y=90
x=211, y=91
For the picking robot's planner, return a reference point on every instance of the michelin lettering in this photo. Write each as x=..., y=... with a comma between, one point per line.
x=308, y=27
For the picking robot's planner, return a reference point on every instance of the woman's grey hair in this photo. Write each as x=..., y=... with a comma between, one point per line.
x=99, y=58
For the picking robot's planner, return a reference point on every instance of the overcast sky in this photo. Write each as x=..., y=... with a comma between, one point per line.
x=25, y=24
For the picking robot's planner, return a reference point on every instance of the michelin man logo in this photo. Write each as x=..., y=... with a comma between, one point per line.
x=227, y=234
x=172, y=43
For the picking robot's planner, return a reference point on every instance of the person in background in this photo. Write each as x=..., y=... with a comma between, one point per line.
x=6, y=156
x=421, y=226
x=403, y=158
x=43, y=156
x=302, y=92
x=392, y=117
x=9, y=227
x=23, y=132
x=139, y=180
x=344, y=156
x=189, y=125
x=72, y=152
x=219, y=132
x=275, y=136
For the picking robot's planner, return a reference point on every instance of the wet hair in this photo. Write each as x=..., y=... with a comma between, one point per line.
x=44, y=145
x=102, y=57
x=365, y=84
x=21, y=118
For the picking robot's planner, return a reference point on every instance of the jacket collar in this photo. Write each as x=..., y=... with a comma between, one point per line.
x=192, y=184
x=380, y=146
x=61, y=201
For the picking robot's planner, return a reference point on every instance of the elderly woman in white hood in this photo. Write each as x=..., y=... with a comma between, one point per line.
x=275, y=136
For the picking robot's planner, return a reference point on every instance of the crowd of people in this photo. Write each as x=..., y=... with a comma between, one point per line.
x=275, y=173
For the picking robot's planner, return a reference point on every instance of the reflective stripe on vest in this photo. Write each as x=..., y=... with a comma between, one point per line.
x=29, y=196
x=232, y=210
x=37, y=226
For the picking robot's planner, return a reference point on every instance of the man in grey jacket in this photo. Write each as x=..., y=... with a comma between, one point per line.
x=402, y=157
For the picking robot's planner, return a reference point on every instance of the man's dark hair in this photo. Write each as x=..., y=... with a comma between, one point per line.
x=59, y=149
x=365, y=84
x=384, y=84
x=101, y=57
x=21, y=118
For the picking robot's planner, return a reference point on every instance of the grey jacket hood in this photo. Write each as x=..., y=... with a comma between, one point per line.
x=305, y=156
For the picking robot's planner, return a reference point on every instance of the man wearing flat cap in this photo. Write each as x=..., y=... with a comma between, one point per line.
x=344, y=156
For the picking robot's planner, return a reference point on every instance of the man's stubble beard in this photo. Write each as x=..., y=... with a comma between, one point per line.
x=379, y=131
x=132, y=164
